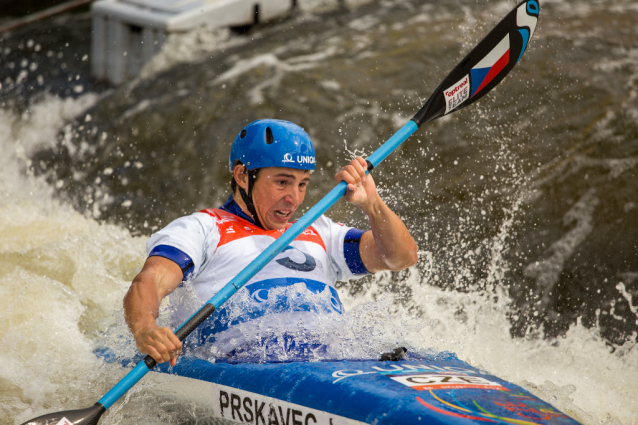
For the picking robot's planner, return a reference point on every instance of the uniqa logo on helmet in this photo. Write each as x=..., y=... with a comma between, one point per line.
x=306, y=159
x=301, y=159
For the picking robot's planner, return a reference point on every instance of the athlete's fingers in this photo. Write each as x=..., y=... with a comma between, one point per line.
x=360, y=167
x=364, y=166
x=176, y=347
x=173, y=345
x=163, y=351
x=158, y=340
x=168, y=347
x=159, y=343
x=351, y=180
x=352, y=171
x=345, y=175
x=151, y=351
x=175, y=340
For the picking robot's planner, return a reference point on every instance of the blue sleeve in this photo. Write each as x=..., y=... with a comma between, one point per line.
x=351, y=252
x=177, y=256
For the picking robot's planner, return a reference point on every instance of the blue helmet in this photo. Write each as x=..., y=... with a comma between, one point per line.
x=273, y=143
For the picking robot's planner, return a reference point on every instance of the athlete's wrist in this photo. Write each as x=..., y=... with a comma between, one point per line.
x=372, y=206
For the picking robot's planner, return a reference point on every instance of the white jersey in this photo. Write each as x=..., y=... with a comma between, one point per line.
x=220, y=244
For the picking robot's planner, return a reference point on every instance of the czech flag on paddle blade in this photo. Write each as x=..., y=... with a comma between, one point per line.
x=488, y=68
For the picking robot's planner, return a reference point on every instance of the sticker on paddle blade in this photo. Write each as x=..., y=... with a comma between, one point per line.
x=457, y=94
x=491, y=65
x=426, y=381
x=64, y=421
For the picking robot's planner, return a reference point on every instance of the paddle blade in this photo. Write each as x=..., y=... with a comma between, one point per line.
x=89, y=416
x=485, y=66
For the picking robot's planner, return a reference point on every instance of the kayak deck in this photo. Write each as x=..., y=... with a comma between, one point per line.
x=428, y=391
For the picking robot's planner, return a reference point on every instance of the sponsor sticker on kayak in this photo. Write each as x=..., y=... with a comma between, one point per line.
x=405, y=368
x=436, y=381
x=64, y=421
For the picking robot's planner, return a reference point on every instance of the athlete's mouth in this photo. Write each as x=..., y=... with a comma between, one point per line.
x=282, y=214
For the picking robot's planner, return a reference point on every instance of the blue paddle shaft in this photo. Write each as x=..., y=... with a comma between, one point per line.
x=124, y=385
x=265, y=257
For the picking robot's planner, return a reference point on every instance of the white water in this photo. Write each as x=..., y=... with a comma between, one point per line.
x=60, y=274
x=63, y=275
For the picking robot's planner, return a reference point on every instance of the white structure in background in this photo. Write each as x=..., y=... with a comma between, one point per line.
x=127, y=33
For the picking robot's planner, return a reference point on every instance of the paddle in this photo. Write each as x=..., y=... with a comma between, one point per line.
x=478, y=73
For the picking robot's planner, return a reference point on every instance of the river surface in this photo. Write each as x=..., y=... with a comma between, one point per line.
x=524, y=205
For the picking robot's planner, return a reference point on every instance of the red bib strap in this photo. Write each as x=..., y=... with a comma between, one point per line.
x=232, y=228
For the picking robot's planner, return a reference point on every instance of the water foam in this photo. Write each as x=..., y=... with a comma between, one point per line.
x=60, y=275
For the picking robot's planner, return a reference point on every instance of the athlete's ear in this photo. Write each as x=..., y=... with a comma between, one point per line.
x=240, y=173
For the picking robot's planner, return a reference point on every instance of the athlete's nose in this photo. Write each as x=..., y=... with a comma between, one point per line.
x=293, y=196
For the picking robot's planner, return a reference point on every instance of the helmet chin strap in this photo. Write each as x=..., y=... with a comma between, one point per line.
x=248, y=197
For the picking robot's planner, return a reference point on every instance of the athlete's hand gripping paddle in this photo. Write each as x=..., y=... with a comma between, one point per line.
x=478, y=73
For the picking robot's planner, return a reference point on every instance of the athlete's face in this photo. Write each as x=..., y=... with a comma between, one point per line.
x=277, y=194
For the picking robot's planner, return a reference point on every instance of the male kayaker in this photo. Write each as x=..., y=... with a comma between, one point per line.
x=270, y=162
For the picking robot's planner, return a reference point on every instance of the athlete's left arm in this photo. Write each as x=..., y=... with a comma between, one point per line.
x=389, y=245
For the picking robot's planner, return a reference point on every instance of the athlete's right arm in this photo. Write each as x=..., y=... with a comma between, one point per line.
x=158, y=278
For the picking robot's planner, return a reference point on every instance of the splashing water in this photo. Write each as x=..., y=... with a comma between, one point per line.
x=60, y=275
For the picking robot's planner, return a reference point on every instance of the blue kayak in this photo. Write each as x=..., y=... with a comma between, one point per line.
x=437, y=390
